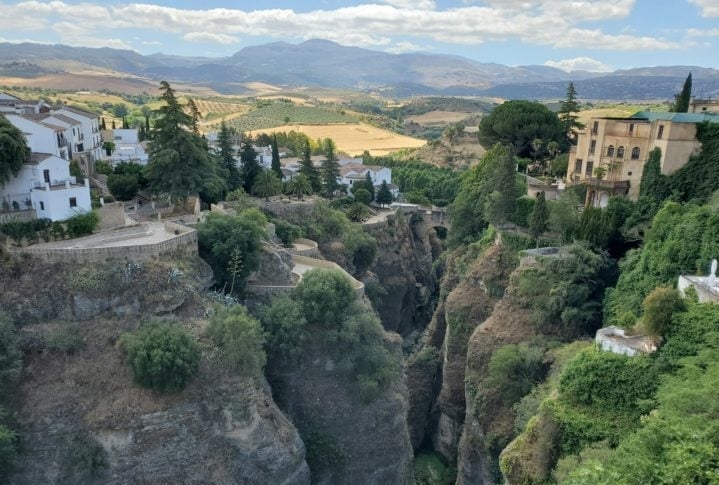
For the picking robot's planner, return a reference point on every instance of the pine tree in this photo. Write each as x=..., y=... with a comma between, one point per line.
x=568, y=113
x=102, y=123
x=276, y=166
x=226, y=157
x=384, y=195
x=125, y=126
x=113, y=124
x=682, y=99
x=539, y=220
x=330, y=169
x=147, y=125
x=195, y=116
x=308, y=169
x=179, y=164
x=250, y=167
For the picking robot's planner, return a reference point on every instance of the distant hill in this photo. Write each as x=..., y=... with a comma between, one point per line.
x=321, y=63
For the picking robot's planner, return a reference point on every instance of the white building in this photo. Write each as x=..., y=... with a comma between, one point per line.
x=613, y=339
x=90, y=138
x=706, y=287
x=357, y=172
x=128, y=147
x=45, y=185
x=42, y=136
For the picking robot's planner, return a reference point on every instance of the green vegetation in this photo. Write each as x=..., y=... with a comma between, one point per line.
x=568, y=113
x=162, y=356
x=682, y=99
x=13, y=150
x=83, y=458
x=270, y=114
x=514, y=370
x=219, y=236
x=10, y=373
x=323, y=453
x=413, y=176
x=517, y=124
x=67, y=338
x=658, y=308
x=429, y=469
x=82, y=224
x=285, y=328
x=239, y=339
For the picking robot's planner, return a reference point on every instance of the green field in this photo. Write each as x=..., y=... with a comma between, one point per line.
x=283, y=113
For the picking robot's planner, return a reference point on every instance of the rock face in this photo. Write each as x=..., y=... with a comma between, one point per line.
x=348, y=442
x=221, y=429
x=404, y=270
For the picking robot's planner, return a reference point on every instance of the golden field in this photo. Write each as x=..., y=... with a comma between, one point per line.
x=353, y=139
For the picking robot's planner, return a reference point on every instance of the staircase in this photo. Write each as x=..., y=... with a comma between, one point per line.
x=100, y=182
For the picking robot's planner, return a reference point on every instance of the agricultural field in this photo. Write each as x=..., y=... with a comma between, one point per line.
x=441, y=118
x=274, y=114
x=353, y=139
x=218, y=110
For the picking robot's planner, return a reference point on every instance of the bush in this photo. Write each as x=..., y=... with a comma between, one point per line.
x=162, y=357
x=285, y=327
x=83, y=457
x=659, y=306
x=525, y=206
x=103, y=167
x=8, y=449
x=360, y=248
x=239, y=338
x=514, y=369
x=429, y=469
x=10, y=357
x=323, y=454
x=82, y=224
x=123, y=187
x=363, y=196
x=324, y=295
x=68, y=338
x=287, y=232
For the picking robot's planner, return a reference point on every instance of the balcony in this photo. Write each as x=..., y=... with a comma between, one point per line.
x=56, y=184
x=616, y=187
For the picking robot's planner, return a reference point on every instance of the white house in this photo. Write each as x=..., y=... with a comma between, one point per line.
x=128, y=147
x=42, y=136
x=90, y=138
x=44, y=184
x=356, y=172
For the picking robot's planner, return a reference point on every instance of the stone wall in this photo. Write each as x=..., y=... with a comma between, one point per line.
x=312, y=251
x=185, y=240
x=112, y=215
x=20, y=216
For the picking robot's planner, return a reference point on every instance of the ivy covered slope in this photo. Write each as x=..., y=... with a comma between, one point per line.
x=608, y=418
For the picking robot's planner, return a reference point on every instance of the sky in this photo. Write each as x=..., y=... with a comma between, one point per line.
x=593, y=35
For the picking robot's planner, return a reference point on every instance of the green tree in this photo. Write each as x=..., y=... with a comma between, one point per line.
x=119, y=110
x=659, y=306
x=563, y=216
x=384, y=195
x=250, y=167
x=267, y=184
x=568, y=114
x=226, y=156
x=502, y=186
x=179, y=163
x=276, y=166
x=285, y=328
x=539, y=220
x=517, y=123
x=195, y=116
x=123, y=187
x=220, y=235
x=514, y=369
x=653, y=183
x=308, y=169
x=363, y=196
x=360, y=247
x=13, y=150
x=300, y=186
x=324, y=296
x=239, y=338
x=366, y=184
x=162, y=357
x=682, y=99
x=330, y=169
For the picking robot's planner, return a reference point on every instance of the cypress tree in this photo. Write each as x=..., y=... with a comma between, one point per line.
x=330, y=169
x=539, y=220
x=384, y=195
x=308, y=169
x=276, y=166
x=681, y=100
x=250, y=167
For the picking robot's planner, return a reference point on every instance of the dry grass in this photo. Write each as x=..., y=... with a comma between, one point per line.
x=439, y=117
x=353, y=139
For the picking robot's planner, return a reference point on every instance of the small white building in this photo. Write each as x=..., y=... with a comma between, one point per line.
x=613, y=339
x=90, y=138
x=357, y=172
x=128, y=147
x=45, y=185
x=42, y=136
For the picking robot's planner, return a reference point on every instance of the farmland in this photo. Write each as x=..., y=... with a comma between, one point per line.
x=353, y=139
x=276, y=113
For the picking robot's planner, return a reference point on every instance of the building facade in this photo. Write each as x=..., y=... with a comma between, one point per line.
x=611, y=152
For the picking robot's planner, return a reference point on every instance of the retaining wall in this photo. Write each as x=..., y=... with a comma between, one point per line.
x=19, y=216
x=185, y=240
x=312, y=252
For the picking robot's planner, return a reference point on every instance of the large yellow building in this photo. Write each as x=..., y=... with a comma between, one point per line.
x=611, y=152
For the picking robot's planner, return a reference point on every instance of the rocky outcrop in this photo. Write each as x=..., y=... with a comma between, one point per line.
x=83, y=420
x=348, y=441
x=34, y=291
x=403, y=269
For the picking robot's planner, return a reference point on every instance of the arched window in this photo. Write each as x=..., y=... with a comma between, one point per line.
x=620, y=152
x=610, y=151
x=635, y=153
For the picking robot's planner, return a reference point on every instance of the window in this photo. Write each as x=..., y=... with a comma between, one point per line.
x=631, y=128
x=592, y=147
x=620, y=152
x=578, y=166
x=635, y=153
x=46, y=175
x=588, y=171
x=595, y=127
x=610, y=151
x=629, y=174
x=42, y=205
x=660, y=133
x=73, y=201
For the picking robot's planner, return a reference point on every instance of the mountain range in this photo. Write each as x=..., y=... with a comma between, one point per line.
x=325, y=64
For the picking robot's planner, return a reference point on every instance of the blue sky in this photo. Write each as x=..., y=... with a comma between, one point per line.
x=596, y=35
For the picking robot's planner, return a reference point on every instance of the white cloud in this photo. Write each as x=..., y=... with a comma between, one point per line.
x=709, y=8
x=703, y=32
x=555, y=23
x=580, y=64
x=404, y=46
x=210, y=37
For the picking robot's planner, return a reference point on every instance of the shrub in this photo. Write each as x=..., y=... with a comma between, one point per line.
x=323, y=454
x=103, y=167
x=239, y=339
x=659, y=306
x=123, y=187
x=363, y=196
x=360, y=248
x=324, y=295
x=429, y=469
x=83, y=457
x=287, y=232
x=162, y=357
x=285, y=327
x=82, y=224
x=67, y=338
x=10, y=357
x=8, y=449
x=514, y=370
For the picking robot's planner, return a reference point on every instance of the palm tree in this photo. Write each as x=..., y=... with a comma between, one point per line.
x=300, y=186
x=267, y=184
